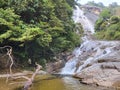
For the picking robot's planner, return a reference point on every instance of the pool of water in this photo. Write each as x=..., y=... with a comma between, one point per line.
x=49, y=82
x=62, y=83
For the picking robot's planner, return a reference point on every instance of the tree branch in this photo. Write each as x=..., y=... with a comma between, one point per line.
x=29, y=81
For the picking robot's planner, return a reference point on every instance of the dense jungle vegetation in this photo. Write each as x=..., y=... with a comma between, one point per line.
x=37, y=29
x=108, y=25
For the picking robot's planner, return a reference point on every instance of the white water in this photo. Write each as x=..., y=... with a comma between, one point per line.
x=78, y=17
x=94, y=49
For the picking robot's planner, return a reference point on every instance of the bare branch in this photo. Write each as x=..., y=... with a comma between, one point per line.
x=29, y=81
x=8, y=50
x=9, y=53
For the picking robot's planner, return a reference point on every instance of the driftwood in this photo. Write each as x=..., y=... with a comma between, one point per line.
x=9, y=54
x=29, y=81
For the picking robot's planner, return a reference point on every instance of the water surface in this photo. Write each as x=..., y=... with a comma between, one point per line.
x=62, y=83
x=49, y=82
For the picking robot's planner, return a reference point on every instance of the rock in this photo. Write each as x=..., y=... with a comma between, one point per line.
x=117, y=84
x=98, y=62
x=103, y=70
x=95, y=62
x=96, y=75
x=54, y=66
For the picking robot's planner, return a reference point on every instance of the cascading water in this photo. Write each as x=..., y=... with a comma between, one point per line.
x=78, y=17
x=90, y=50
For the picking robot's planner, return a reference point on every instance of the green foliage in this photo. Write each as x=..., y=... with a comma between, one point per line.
x=114, y=19
x=37, y=29
x=9, y=22
x=110, y=30
x=105, y=14
x=71, y=2
x=102, y=22
x=5, y=36
x=99, y=4
x=98, y=24
x=108, y=25
x=117, y=35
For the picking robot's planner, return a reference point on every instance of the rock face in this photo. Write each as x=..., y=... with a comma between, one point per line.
x=102, y=66
x=94, y=62
x=53, y=67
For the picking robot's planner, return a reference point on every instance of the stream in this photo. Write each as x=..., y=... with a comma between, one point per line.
x=52, y=82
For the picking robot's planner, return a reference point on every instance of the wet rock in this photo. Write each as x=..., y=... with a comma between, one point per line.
x=54, y=66
x=98, y=76
x=117, y=84
x=105, y=72
x=101, y=64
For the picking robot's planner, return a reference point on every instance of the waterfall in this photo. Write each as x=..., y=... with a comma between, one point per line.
x=90, y=51
x=79, y=17
x=95, y=61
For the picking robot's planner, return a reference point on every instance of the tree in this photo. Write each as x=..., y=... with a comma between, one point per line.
x=113, y=5
x=37, y=29
x=105, y=14
x=114, y=19
x=100, y=4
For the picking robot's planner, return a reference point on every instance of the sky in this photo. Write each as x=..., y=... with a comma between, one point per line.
x=105, y=2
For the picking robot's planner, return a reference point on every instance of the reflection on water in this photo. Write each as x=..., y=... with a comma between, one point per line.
x=62, y=83
x=71, y=83
x=49, y=82
x=14, y=85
